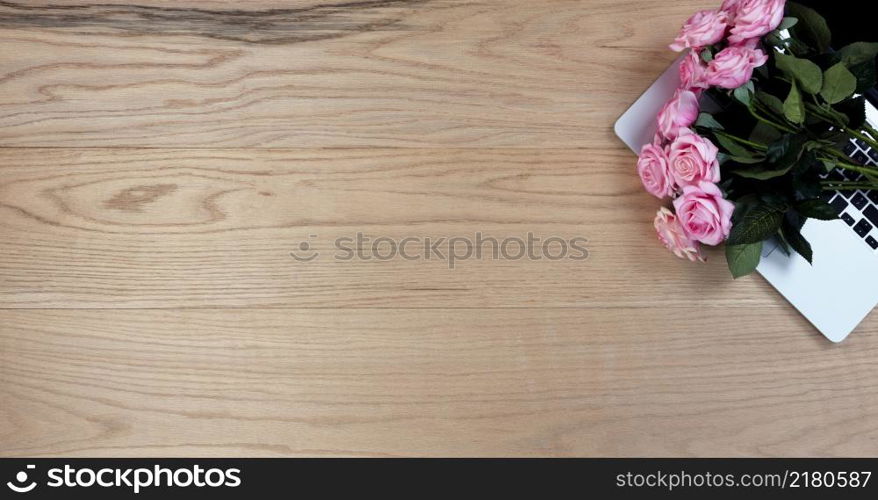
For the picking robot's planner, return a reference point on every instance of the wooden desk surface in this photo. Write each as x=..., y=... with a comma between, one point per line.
x=158, y=164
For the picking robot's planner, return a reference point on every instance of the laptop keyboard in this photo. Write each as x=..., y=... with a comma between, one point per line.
x=859, y=208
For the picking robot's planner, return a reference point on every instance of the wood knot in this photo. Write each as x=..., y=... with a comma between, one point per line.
x=133, y=199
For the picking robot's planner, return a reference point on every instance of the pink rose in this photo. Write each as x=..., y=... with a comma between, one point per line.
x=730, y=7
x=678, y=114
x=652, y=166
x=658, y=140
x=672, y=235
x=750, y=43
x=733, y=66
x=704, y=28
x=755, y=18
x=692, y=159
x=692, y=72
x=704, y=214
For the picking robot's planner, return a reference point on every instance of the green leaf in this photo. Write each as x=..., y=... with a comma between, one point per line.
x=743, y=259
x=787, y=149
x=808, y=74
x=829, y=165
x=838, y=84
x=793, y=236
x=795, y=218
x=764, y=133
x=758, y=224
x=781, y=156
x=817, y=209
x=787, y=23
x=742, y=94
x=836, y=115
x=706, y=55
x=733, y=148
x=811, y=28
x=782, y=244
x=866, y=75
x=707, y=121
x=762, y=173
x=771, y=101
x=793, y=107
x=858, y=52
x=816, y=144
x=746, y=160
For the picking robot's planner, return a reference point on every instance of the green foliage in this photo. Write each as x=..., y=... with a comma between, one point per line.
x=760, y=172
x=706, y=55
x=806, y=73
x=838, y=84
x=780, y=157
x=773, y=103
x=763, y=133
x=817, y=209
x=787, y=23
x=787, y=149
x=744, y=93
x=793, y=107
x=866, y=75
x=811, y=29
x=859, y=59
x=792, y=234
x=743, y=259
x=706, y=120
x=734, y=149
x=858, y=52
x=757, y=224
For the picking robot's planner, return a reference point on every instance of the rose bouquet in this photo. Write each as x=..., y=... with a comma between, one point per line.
x=752, y=143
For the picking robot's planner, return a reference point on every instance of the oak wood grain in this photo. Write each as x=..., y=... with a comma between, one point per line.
x=498, y=73
x=160, y=161
x=431, y=382
x=195, y=228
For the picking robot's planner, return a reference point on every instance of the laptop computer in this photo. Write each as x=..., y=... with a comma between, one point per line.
x=840, y=287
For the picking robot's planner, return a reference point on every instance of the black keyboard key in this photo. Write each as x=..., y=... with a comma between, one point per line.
x=871, y=213
x=861, y=143
x=849, y=193
x=863, y=227
x=873, y=155
x=859, y=201
x=860, y=157
x=848, y=219
x=873, y=196
x=872, y=242
x=836, y=175
x=850, y=148
x=839, y=204
x=827, y=195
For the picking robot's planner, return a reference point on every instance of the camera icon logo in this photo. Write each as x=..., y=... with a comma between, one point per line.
x=18, y=486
